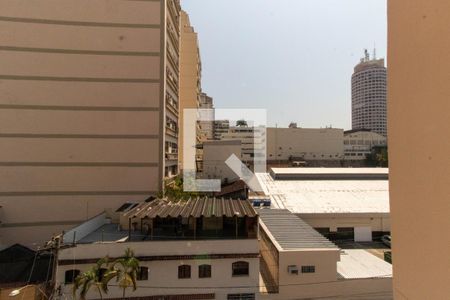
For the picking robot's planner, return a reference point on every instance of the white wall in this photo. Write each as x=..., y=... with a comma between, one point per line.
x=163, y=274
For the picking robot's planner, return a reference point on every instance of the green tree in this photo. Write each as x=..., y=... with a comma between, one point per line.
x=90, y=278
x=124, y=271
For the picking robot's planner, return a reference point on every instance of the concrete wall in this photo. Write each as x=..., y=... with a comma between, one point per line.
x=419, y=161
x=309, y=143
x=81, y=111
x=215, y=153
x=164, y=273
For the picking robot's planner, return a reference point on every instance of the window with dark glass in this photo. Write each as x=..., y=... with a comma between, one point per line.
x=240, y=268
x=184, y=271
x=204, y=271
x=142, y=273
x=308, y=269
x=70, y=275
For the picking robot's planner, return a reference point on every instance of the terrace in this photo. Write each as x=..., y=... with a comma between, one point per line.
x=162, y=220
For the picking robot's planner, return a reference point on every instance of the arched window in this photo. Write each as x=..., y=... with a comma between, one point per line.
x=204, y=271
x=184, y=271
x=142, y=273
x=70, y=275
x=240, y=268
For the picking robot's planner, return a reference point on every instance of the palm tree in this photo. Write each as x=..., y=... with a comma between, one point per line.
x=90, y=278
x=124, y=270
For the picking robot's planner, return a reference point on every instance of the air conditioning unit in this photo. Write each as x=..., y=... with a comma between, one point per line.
x=292, y=269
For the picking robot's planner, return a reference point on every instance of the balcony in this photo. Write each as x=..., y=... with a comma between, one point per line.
x=171, y=156
x=171, y=131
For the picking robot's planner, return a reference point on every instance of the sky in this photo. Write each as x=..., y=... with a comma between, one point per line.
x=294, y=58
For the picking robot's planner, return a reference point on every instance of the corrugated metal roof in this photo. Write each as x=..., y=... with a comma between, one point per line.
x=206, y=207
x=291, y=232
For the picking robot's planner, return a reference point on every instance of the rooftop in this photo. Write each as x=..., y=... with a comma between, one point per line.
x=291, y=232
x=358, y=263
x=327, y=196
x=199, y=207
x=329, y=173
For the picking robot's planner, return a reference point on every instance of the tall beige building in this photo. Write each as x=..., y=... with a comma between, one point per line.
x=419, y=161
x=190, y=74
x=88, y=109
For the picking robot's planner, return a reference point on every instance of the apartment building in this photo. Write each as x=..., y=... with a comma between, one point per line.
x=419, y=107
x=360, y=142
x=220, y=127
x=88, y=109
x=289, y=144
x=196, y=249
x=190, y=75
x=369, y=85
x=207, y=127
x=253, y=141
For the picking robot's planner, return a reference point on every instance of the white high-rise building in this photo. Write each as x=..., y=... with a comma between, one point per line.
x=369, y=95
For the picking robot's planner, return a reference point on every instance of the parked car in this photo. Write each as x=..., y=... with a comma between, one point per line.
x=386, y=239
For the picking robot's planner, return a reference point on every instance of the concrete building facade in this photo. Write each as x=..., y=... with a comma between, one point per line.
x=190, y=75
x=207, y=127
x=220, y=127
x=215, y=153
x=419, y=106
x=359, y=143
x=252, y=139
x=284, y=144
x=88, y=109
x=369, y=84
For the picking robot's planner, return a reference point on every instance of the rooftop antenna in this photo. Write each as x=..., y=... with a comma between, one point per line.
x=366, y=55
x=374, y=51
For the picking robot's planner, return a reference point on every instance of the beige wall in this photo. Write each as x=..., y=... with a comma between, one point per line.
x=190, y=73
x=81, y=111
x=312, y=144
x=215, y=153
x=164, y=273
x=419, y=146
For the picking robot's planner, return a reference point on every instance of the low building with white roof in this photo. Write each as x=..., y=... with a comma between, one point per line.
x=298, y=263
x=340, y=203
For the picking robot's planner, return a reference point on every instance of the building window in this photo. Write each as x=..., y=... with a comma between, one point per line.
x=101, y=273
x=204, y=271
x=308, y=269
x=246, y=296
x=70, y=275
x=142, y=273
x=240, y=268
x=184, y=271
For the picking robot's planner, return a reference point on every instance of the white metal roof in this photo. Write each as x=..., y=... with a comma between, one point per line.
x=330, y=170
x=358, y=263
x=327, y=196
